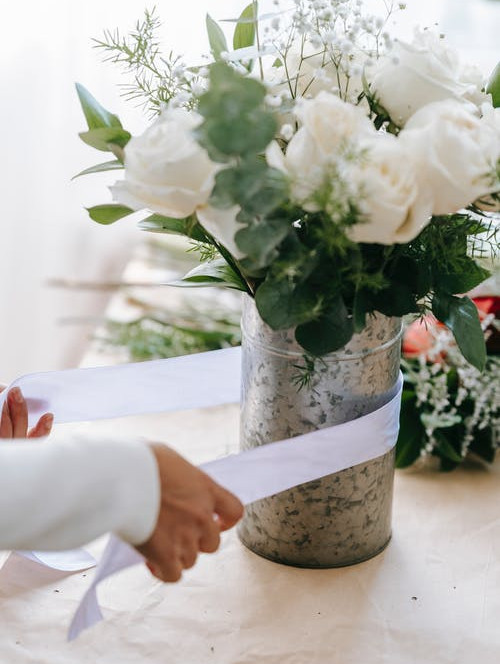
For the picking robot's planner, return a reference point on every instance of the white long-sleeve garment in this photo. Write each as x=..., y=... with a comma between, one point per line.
x=64, y=492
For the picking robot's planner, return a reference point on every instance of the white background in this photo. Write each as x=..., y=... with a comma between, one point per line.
x=44, y=230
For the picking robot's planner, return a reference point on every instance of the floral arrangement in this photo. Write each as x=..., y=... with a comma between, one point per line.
x=449, y=409
x=325, y=169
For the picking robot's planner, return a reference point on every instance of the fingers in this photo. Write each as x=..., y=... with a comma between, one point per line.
x=165, y=563
x=18, y=413
x=227, y=507
x=43, y=427
x=5, y=422
x=210, y=538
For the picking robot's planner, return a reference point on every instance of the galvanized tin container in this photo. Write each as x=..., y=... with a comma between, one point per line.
x=343, y=518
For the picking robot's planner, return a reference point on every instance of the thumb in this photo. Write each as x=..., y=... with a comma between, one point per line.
x=228, y=507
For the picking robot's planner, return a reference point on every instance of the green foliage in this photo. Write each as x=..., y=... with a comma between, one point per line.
x=216, y=37
x=244, y=33
x=493, y=87
x=259, y=243
x=460, y=315
x=448, y=410
x=105, y=131
x=96, y=115
x=411, y=430
x=101, y=168
x=213, y=273
x=153, y=74
x=157, y=223
x=109, y=213
x=236, y=123
x=156, y=337
x=106, y=139
x=329, y=332
x=252, y=185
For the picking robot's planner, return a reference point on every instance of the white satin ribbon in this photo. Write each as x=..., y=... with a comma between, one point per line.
x=196, y=381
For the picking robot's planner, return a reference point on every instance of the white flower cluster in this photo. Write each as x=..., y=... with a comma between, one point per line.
x=440, y=407
x=324, y=45
x=445, y=157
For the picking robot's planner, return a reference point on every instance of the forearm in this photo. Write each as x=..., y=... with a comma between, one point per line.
x=65, y=492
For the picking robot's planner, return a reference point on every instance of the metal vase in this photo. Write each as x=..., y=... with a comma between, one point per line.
x=343, y=518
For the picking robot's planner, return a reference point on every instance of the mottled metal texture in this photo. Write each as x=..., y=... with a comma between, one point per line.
x=343, y=518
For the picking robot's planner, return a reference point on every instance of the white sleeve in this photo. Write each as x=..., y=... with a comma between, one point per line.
x=64, y=492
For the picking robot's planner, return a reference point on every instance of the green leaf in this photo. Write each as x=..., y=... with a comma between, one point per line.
x=212, y=273
x=461, y=316
x=446, y=449
x=411, y=431
x=236, y=122
x=239, y=136
x=157, y=223
x=466, y=275
x=274, y=301
x=114, y=165
x=259, y=241
x=360, y=307
x=95, y=114
x=244, y=33
x=483, y=444
x=329, y=332
x=216, y=37
x=493, y=86
x=252, y=185
x=108, y=214
x=105, y=138
x=398, y=299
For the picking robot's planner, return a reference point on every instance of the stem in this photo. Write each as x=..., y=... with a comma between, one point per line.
x=255, y=5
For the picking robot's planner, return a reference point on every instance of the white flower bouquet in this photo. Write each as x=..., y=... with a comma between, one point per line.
x=322, y=167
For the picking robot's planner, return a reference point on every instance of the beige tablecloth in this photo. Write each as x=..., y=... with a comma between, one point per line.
x=433, y=597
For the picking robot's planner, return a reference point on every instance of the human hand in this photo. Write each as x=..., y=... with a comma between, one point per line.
x=193, y=511
x=14, y=418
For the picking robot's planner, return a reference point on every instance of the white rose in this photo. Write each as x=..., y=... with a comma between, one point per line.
x=332, y=122
x=456, y=153
x=425, y=71
x=222, y=225
x=393, y=208
x=166, y=170
x=304, y=164
x=329, y=126
x=490, y=202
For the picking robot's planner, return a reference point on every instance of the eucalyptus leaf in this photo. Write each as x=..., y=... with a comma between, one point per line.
x=259, y=241
x=461, y=316
x=216, y=37
x=114, y=165
x=274, y=302
x=252, y=185
x=104, y=138
x=95, y=114
x=109, y=213
x=332, y=330
x=244, y=33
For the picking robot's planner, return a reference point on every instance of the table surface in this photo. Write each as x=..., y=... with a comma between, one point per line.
x=432, y=597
